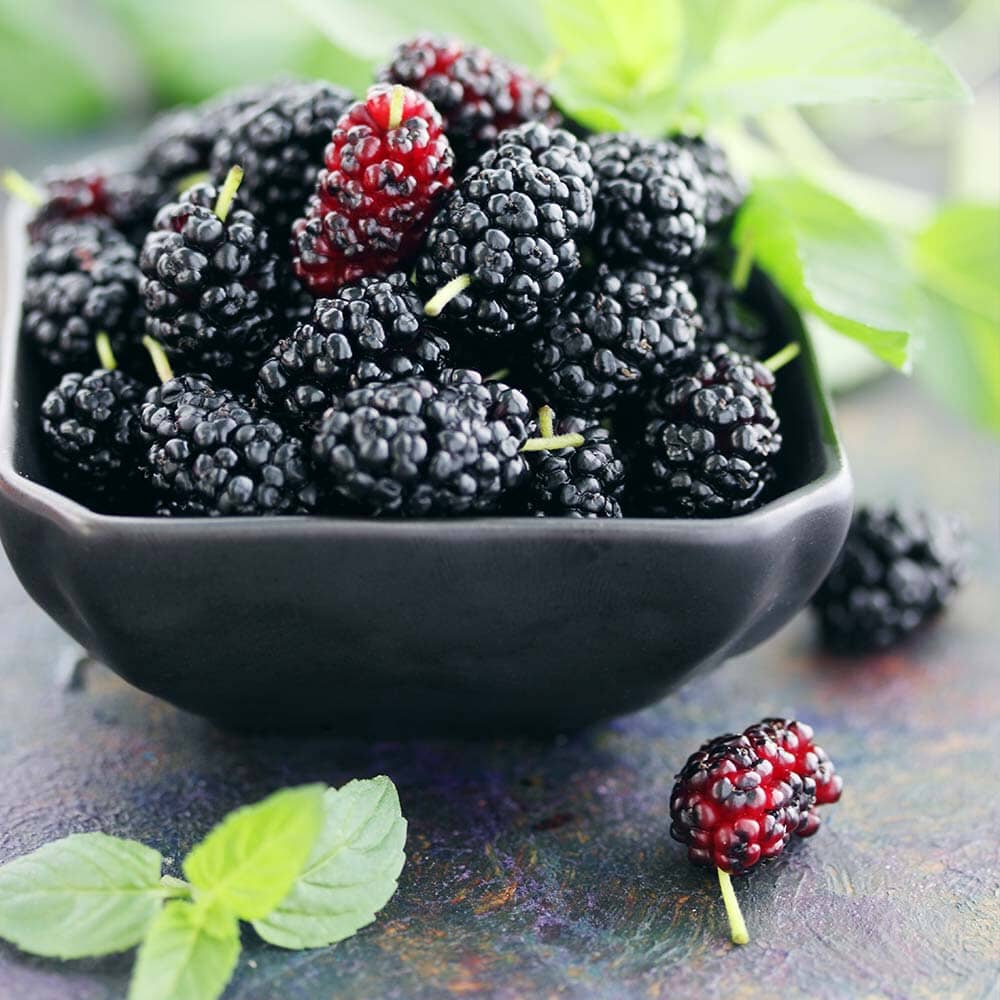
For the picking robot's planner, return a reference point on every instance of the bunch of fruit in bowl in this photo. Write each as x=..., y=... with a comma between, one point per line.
x=442, y=299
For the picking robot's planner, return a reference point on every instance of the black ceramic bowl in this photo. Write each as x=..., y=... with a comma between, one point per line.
x=390, y=627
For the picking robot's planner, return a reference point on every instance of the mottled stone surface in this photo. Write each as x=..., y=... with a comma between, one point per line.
x=546, y=869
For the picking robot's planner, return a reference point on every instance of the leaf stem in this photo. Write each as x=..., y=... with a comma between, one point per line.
x=159, y=357
x=104, y=352
x=396, y=105
x=498, y=376
x=555, y=443
x=779, y=359
x=744, y=264
x=175, y=888
x=21, y=188
x=229, y=188
x=737, y=926
x=446, y=293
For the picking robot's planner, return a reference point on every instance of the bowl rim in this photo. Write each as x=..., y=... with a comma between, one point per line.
x=71, y=515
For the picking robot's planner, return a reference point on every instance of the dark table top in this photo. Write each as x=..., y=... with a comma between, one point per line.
x=545, y=869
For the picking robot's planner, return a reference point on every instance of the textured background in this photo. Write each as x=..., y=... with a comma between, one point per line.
x=546, y=869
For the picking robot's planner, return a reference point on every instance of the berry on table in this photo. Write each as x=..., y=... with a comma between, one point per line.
x=279, y=143
x=740, y=798
x=585, y=481
x=612, y=334
x=478, y=94
x=897, y=570
x=210, y=280
x=387, y=167
x=88, y=425
x=505, y=247
x=82, y=279
x=413, y=447
x=370, y=330
x=710, y=445
x=651, y=200
x=209, y=455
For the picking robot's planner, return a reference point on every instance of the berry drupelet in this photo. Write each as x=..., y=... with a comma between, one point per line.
x=371, y=330
x=651, y=200
x=387, y=167
x=740, y=798
x=82, y=279
x=610, y=335
x=411, y=447
x=506, y=245
x=208, y=455
x=477, y=93
x=279, y=144
x=210, y=280
x=584, y=481
x=708, y=450
x=88, y=425
x=897, y=570
x=726, y=315
x=724, y=191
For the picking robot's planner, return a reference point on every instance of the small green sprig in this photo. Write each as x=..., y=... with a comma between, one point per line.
x=307, y=866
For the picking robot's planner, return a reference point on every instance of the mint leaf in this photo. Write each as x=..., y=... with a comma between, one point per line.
x=821, y=52
x=619, y=61
x=250, y=860
x=829, y=260
x=87, y=894
x=190, y=952
x=351, y=873
x=958, y=257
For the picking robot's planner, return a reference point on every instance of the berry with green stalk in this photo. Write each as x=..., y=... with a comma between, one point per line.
x=210, y=280
x=387, y=166
x=88, y=426
x=712, y=436
x=506, y=246
x=739, y=800
x=209, y=455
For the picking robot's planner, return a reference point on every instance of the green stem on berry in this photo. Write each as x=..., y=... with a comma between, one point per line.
x=189, y=180
x=743, y=266
x=159, y=357
x=396, y=100
x=104, y=352
x=498, y=376
x=781, y=358
x=175, y=888
x=546, y=419
x=737, y=926
x=446, y=293
x=553, y=443
x=229, y=188
x=21, y=188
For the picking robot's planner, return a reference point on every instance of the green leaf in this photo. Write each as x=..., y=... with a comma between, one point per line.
x=821, y=52
x=958, y=256
x=251, y=859
x=87, y=894
x=189, y=953
x=829, y=260
x=619, y=61
x=351, y=873
x=373, y=31
x=46, y=77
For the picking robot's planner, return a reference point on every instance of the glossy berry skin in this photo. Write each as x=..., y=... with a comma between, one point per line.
x=897, y=570
x=371, y=330
x=651, y=200
x=88, y=426
x=514, y=226
x=81, y=280
x=210, y=286
x=477, y=93
x=128, y=202
x=208, y=455
x=724, y=190
x=740, y=798
x=713, y=435
x=375, y=197
x=612, y=335
x=587, y=481
x=727, y=316
x=279, y=143
x=419, y=449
